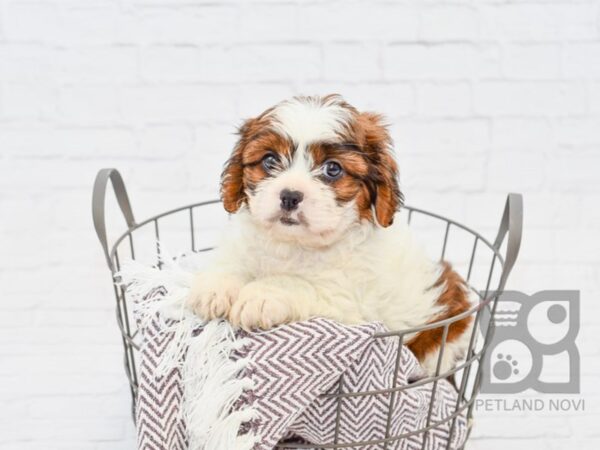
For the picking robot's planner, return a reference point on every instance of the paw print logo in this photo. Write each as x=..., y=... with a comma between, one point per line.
x=527, y=331
x=510, y=361
x=505, y=367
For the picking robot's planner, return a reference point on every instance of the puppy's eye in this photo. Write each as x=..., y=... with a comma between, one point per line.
x=269, y=162
x=332, y=170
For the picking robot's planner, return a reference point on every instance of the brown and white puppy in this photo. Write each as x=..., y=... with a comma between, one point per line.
x=314, y=188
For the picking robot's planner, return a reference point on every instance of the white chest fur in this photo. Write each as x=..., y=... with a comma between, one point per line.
x=371, y=273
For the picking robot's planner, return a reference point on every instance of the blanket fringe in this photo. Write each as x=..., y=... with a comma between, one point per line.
x=210, y=374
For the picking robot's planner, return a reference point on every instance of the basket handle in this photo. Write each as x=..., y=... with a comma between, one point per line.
x=511, y=225
x=98, y=205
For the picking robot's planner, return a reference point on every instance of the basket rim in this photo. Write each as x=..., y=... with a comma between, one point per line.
x=483, y=302
x=409, y=208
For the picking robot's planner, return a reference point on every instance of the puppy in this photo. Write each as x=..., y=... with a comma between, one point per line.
x=314, y=188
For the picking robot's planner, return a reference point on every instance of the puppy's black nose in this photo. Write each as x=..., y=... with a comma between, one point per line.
x=290, y=199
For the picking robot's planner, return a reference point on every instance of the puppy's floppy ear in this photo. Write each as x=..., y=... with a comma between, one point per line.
x=389, y=197
x=232, y=177
x=386, y=196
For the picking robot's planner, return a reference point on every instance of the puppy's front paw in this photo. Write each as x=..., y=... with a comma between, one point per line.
x=213, y=293
x=261, y=305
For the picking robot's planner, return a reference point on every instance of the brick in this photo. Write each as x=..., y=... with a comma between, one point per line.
x=277, y=62
x=178, y=102
x=515, y=171
x=160, y=175
x=212, y=167
x=483, y=210
x=20, y=251
x=31, y=22
x=165, y=142
x=532, y=61
x=578, y=132
x=122, y=445
x=502, y=98
x=444, y=100
x=255, y=98
x=581, y=60
x=578, y=21
x=540, y=21
x=181, y=24
x=252, y=62
x=16, y=319
x=526, y=134
x=20, y=207
x=393, y=100
x=585, y=426
x=85, y=407
x=176, y=64
x=448, y=137
x=60, y=337
x=282, y=20
x=30, y=177
x=27, y=140
x=88, y=104
x=49, y=445
x=449, y=23
x=440, y=62
x=95, y=24
x=31, y=101
x=103, y=64
x=594, y=98
x=217, y=139
x=12, y=410
x=573, y=174
x=455, y=173
x=555, y=210
x=76, y=142
x=82, y=142
x=591, y=216
x=390, y=22
x=520, y=22
x=580, y=247
x=28, y=62
x=351, y=62
x=76, y=430
x=64, y=364
x=172, y=63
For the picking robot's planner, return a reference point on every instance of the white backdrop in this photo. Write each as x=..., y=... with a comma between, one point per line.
x=485, y=97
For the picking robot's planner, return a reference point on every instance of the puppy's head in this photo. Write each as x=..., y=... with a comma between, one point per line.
x=311, y=167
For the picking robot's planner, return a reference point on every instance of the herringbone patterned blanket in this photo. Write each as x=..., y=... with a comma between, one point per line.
x=280, y=385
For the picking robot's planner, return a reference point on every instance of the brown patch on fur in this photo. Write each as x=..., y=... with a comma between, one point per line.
x=243, y=171
x=371, y=173
x=232, y=177
x=353, y=162
x=455, y=300
x=350, y=156
x=382, y=185
x=264, y=142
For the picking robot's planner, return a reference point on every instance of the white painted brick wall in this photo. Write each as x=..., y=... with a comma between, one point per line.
x=484, y=97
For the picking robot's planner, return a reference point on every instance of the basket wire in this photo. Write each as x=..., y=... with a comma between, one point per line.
x=470, y=378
